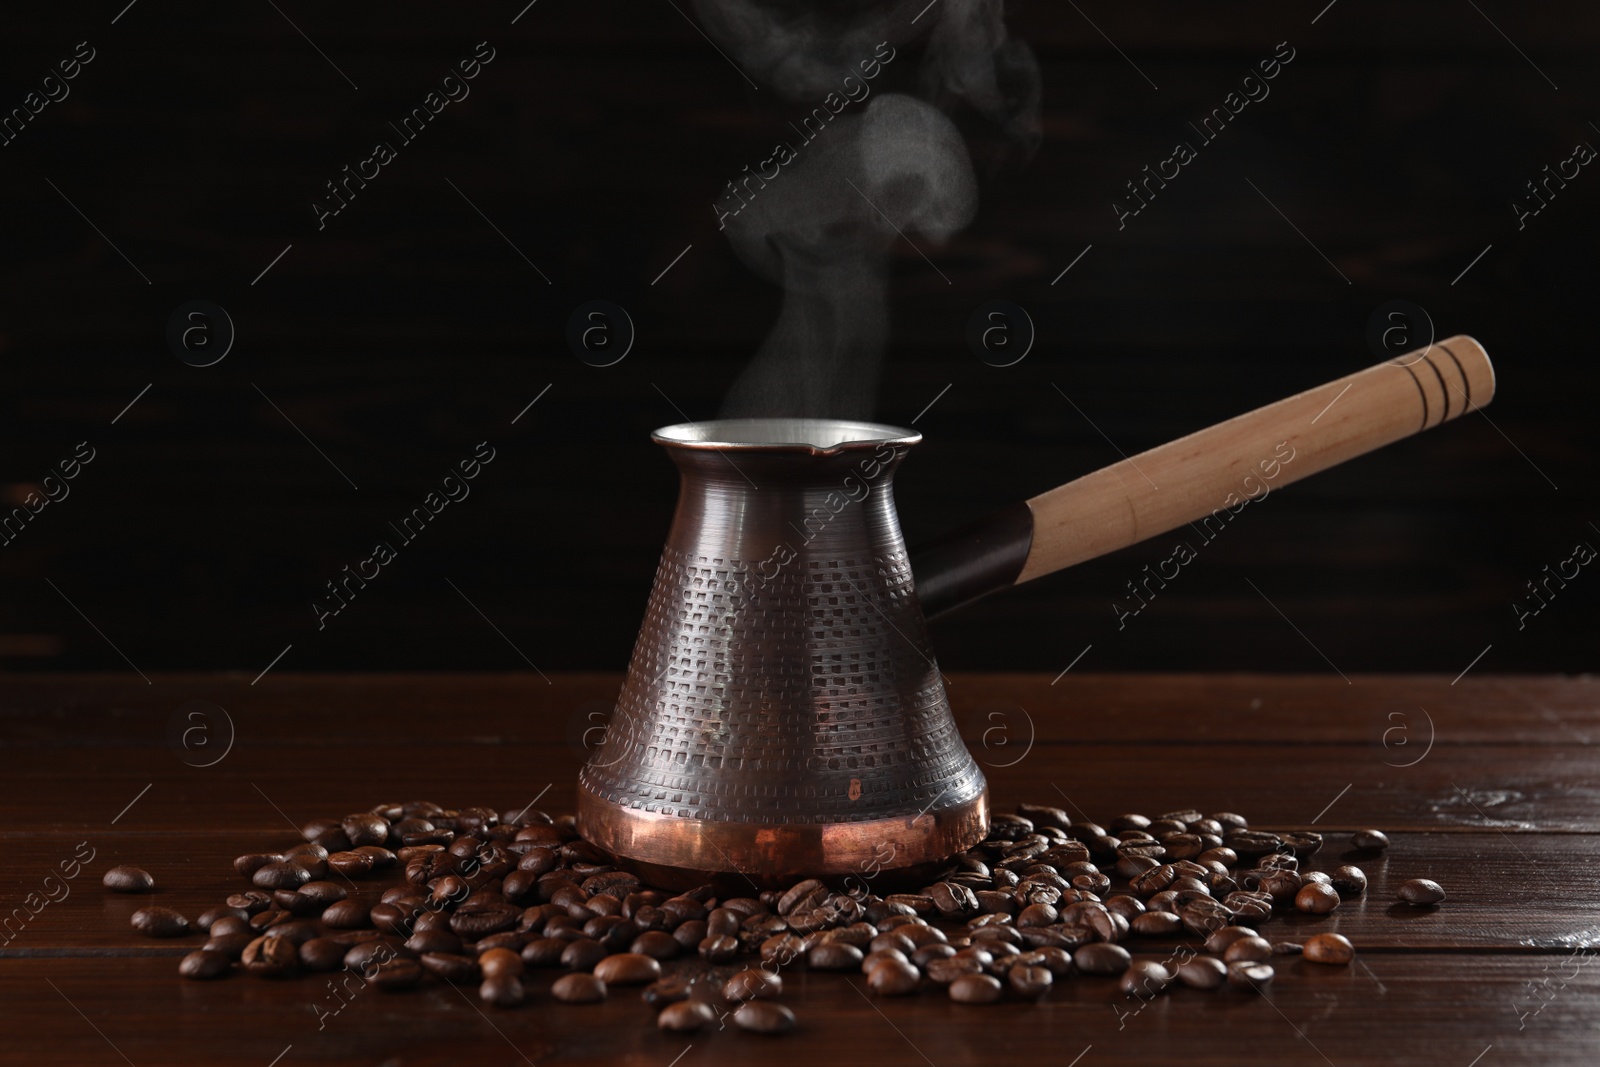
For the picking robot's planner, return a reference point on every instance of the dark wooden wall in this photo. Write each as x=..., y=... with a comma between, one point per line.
x=409, y=330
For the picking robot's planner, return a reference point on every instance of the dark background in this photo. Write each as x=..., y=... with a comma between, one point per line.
x=409, y=330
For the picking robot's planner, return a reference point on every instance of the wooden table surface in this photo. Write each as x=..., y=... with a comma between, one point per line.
x=1491, y=786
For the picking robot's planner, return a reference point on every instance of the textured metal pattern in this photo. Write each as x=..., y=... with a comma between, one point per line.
x=798, y=693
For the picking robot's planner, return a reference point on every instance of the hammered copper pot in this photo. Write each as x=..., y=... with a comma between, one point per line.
x=784, y=715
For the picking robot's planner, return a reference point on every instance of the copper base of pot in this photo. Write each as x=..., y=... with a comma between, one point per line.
x=679, y=853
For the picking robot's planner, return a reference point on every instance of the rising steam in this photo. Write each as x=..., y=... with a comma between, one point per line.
x=824, y=230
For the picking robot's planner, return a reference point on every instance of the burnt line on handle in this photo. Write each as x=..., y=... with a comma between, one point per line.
x=1465, y=381
x=1418, y=383
x=1442, y=388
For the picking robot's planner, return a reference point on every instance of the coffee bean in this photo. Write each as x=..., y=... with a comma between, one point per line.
x=250, y=902
x=1422, y=892
x=1316, y=898
x=367, y=956
x=498, y=961
x=366, y=829
x=280, y=874
x=1248, y=950
x=1156, y=924
x=685, y=1015
x=126, y=879
x=668, y=990
x=203, y=963
x=270, y=956
x=579, y=988
x=1369, y=840
x=1101, y=959
x=834, y=956
x=752, y=984
x=764, y=1017
x=722, y=949
x=472, y=921
x=228, y=924
x=975, y=989
x=505, y=990
x=450, y=967
x=159, y=922
x=1202, y=972
x=1144, y=979
x=1329, y=948
x=1287, y=948
x=1029, y=980
x=1349, y=881
x=1303, y=843
x=1251, y=977
x=628, y=968
x=350, y=864
x=893, y=978
x=1218, y=941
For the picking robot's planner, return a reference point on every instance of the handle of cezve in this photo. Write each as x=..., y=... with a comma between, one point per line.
x=1208, y=475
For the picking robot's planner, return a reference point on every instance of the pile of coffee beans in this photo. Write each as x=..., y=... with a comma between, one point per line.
x=476, y=896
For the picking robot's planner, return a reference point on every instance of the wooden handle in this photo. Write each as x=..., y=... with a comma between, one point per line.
x=1210, y=475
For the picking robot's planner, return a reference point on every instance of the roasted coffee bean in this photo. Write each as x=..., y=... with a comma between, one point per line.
x=252, y=862
x=497, y=961
x=1329, y=948
x=480, y=920
x=780, y=949
x=1307, y=877
x=764, y=1017
x=1251, y=977
x=314, y=866
x=211, y=916
x=1218, y=941
x=505, y=990
x=953, y=900
x=346, y=914
x=126, y=879
x=322, y=954
x=1287, y=948
x=1316, y=898
x=579, y=989
x=685, y=1016
x=323, y=893
x=583, y=954
x=1252, y=843
x=350, y=864
x=893, y=978
x=1144, y=979
x=1247, y=949
x=690, y=933
x=975, y=989
x=752, y=984
x=204, y=963
x=249, y=902
x=1369, y=840
x=1249, y=907
x=1101, y=958
x=450, y=967
x=229, y=945
x=270, y=956
x=1221, y=854
x=1303, y=842
x=668, y=990
x=280, y=874
x=159, y=922
x=1029, y=980
x=543, y=952
x=228, y=924
x=1202, y=972
x=656, y=944
x=433, y=941
x=628, y=968
x=722, y=949
x=1156, y=924
x=295, y=904
x=834, y=956
x=1422, y=892
x=1349, y=881
x=1204, y=915
x=366, y=829
x=799, y=894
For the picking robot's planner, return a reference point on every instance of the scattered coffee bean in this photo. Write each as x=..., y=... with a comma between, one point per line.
x=1247, y=950
x=1316, y=898
x=975, y=989
x=1329, y=948
x=204, y=963
x=1250, y=976
x=269, y=955
x=505, y=990
x=1202, y=972
x=322, y=954
x=1029, y=980
x=1349, y=881
x=834, y=956
x=162, y=922
x=281, y=874
x=685, y=1015
x=497, y=961
x=125, y=879
x=1422, y=892
x=752, y=984
x=1144, y=979
x=1101, y=959
x=628, y=968
x=579, y=988
x=1369, y=840
x=764, y=1017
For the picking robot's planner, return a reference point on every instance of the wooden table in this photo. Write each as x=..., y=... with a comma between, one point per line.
x=1491, y=786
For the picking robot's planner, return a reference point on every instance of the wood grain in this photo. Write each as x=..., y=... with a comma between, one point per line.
x=1501, y=810
x=1210, y=476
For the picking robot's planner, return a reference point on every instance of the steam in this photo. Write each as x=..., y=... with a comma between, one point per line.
x=825, y=227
